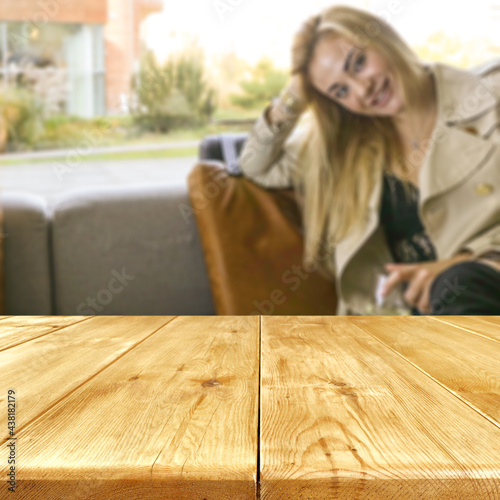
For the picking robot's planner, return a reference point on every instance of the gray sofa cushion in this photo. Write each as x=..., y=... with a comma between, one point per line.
x=128, y=250
x=26, y=254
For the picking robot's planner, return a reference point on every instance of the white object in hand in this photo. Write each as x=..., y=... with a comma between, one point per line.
x=380, y=299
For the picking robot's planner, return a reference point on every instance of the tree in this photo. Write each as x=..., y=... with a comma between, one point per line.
x=227, y=69
x=457, y=51
x=21, y=118
x=266, y=82
x=173, y=94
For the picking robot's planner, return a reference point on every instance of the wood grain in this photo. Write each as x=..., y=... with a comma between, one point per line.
x=46, y=369
x=15, y=330
x=176, y=417
x=467, y=364
x=160, y=408
x=343, y=416
x=487, y=326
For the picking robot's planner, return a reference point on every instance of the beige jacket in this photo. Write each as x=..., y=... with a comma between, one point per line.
x=459, y=180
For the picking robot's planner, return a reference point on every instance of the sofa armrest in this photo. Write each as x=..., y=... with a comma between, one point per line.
x=26, y=227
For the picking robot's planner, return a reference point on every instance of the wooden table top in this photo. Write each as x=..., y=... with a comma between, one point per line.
x=247, y=407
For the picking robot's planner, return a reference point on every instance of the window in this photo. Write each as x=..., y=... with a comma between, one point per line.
x=63, y=62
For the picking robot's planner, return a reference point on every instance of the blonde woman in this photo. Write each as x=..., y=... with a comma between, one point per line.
x=396, y=163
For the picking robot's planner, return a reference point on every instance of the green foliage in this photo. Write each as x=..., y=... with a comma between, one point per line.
x=266, y=82
x=174, y=94
x=22, y=115
x=457, y=51
x=73, y=131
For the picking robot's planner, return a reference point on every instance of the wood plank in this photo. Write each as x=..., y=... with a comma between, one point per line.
x=46, y=369
x=174, y=418
x=467, y=364
x=343, y=416
x=488, y=326
x=15, y=330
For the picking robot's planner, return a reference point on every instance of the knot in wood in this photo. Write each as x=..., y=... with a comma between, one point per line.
x=211, y=383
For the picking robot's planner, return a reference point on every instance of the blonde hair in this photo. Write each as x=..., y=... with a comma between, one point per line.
x=346, y=153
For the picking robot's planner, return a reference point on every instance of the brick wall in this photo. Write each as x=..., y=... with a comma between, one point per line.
x=119, y=51
x=121, y=18
x=123, y=44
x=43, y=11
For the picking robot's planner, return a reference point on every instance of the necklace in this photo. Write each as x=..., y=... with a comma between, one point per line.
x=425, y=127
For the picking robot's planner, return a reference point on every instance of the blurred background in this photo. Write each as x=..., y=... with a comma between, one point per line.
x=129, y=87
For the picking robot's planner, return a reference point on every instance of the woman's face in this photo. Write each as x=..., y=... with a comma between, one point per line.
x=361, y=80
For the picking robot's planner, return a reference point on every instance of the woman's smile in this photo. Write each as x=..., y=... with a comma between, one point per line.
x=361, y=80
x=382, y=96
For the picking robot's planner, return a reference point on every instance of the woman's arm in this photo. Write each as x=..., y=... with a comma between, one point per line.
x=270, y=154
x=419, y=276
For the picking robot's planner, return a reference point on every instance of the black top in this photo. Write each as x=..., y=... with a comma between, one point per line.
x=405, y=233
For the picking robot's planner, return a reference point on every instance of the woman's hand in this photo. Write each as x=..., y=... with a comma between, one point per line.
x=296, y=89
x=419, y=277
x=291, y=104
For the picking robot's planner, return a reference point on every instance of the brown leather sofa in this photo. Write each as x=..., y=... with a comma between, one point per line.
x=252, y=243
